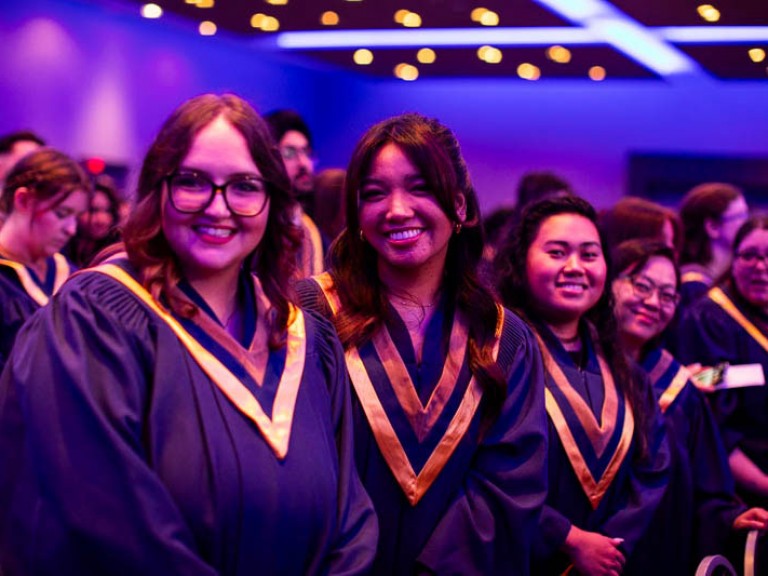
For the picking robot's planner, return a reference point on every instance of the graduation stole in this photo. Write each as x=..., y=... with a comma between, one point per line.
x=422, y=418
x=679, y=378
x=276, y=430
x=31, y=287
x=595, y=450
x=721, y=299
x=695, y=276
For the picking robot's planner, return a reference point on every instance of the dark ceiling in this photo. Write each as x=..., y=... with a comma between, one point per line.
x=713, y=58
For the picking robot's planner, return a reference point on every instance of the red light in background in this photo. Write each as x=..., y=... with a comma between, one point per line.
x=95, y=165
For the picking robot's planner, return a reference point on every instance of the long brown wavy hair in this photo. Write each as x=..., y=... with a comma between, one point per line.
x=273, y=260
x=435, y=152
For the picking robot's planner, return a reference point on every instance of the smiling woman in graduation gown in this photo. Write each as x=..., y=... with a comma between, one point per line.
x=43, y=196
x=172, y=412
x=608, y=457
x=449, y=415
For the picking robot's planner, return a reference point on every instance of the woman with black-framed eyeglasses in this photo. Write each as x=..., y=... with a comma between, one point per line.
x=730, y=325
x=700, y=512
x=172, y=411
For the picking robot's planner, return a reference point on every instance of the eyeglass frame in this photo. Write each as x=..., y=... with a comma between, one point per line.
x=294, y=152
x=216, y=188
x=755, y=257
x=654, y=289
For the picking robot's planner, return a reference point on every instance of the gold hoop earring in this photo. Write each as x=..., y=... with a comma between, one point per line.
x=362, y=236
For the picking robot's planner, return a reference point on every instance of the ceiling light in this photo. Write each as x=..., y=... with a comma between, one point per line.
x=258, y=19
x=528, y=71
x=477, y=14
x=757, y=54
x=426, y=56
x=277, y=2
x=577, y=10
x=400, y=15
x=406, y=72
x=270, y=24
x=363, y=57
x=597, y=73
x=708, y=12
x=559, y=54
x=489, y=18
x=489, y=54
x=329, y=18
x=412, y=20
x=207, y=28
x=204, y=3
x=151, y=11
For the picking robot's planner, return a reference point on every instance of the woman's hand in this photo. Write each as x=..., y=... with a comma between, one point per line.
x=752, y=519
x=593, y=554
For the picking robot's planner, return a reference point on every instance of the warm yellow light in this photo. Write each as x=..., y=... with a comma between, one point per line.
x=597, y=73
x=708, y=12
x=277, y=2
x=412, y=20
x=151, y=11
x=400, y=15
x=329, y=18
x=528, y=71
x=559, y=54
x=207, y=28
x=190, y=1
x=204, y=3
x=489, y=18
x=426, y=56
x=363, y=57
x=756, y=54
x=477, y=14
x=257, y=20
x=406, y=72
x=489, y=54
x=270, y=24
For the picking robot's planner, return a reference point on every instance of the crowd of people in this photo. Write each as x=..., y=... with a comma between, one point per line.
x=266, y=370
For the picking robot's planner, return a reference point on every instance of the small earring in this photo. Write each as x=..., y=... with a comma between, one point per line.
x=457, y=227
x=362, y=236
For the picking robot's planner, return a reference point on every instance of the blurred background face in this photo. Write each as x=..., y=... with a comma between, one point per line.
x=565, y=268
x=53, y=225
x=750, y=268
x=645, y=300
x=97, y=222
x=730, y=222
x=298, y=159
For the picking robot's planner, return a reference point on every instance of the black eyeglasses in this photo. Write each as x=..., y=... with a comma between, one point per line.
x=645, y=287
x=193, y=192
x=751, y=258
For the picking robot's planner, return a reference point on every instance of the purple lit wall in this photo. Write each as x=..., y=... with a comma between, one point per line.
x=96, y=79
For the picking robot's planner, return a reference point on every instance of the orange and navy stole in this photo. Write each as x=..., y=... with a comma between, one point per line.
x=595, y=449
x=28, y=283
x=416, y=440
x=721, y=299
x=695, y=273
x=667, y=376
x=230, y=375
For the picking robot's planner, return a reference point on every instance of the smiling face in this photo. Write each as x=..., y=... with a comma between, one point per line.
x=214, y=241
x=750, y=268
x=641, y=318
x=401, y=218
x=565, y=269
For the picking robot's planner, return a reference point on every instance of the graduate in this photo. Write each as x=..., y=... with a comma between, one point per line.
x=730, y=325
x=171, y=411
x=43, y=196
x=700, y=511
x=608, y=456
x=449, y=415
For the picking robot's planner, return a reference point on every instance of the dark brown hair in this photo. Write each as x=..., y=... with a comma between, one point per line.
x=48, y=174
x=511, y=264
x=435, y=152
x=704, y=202
x=273, y=260
x=634, y=217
